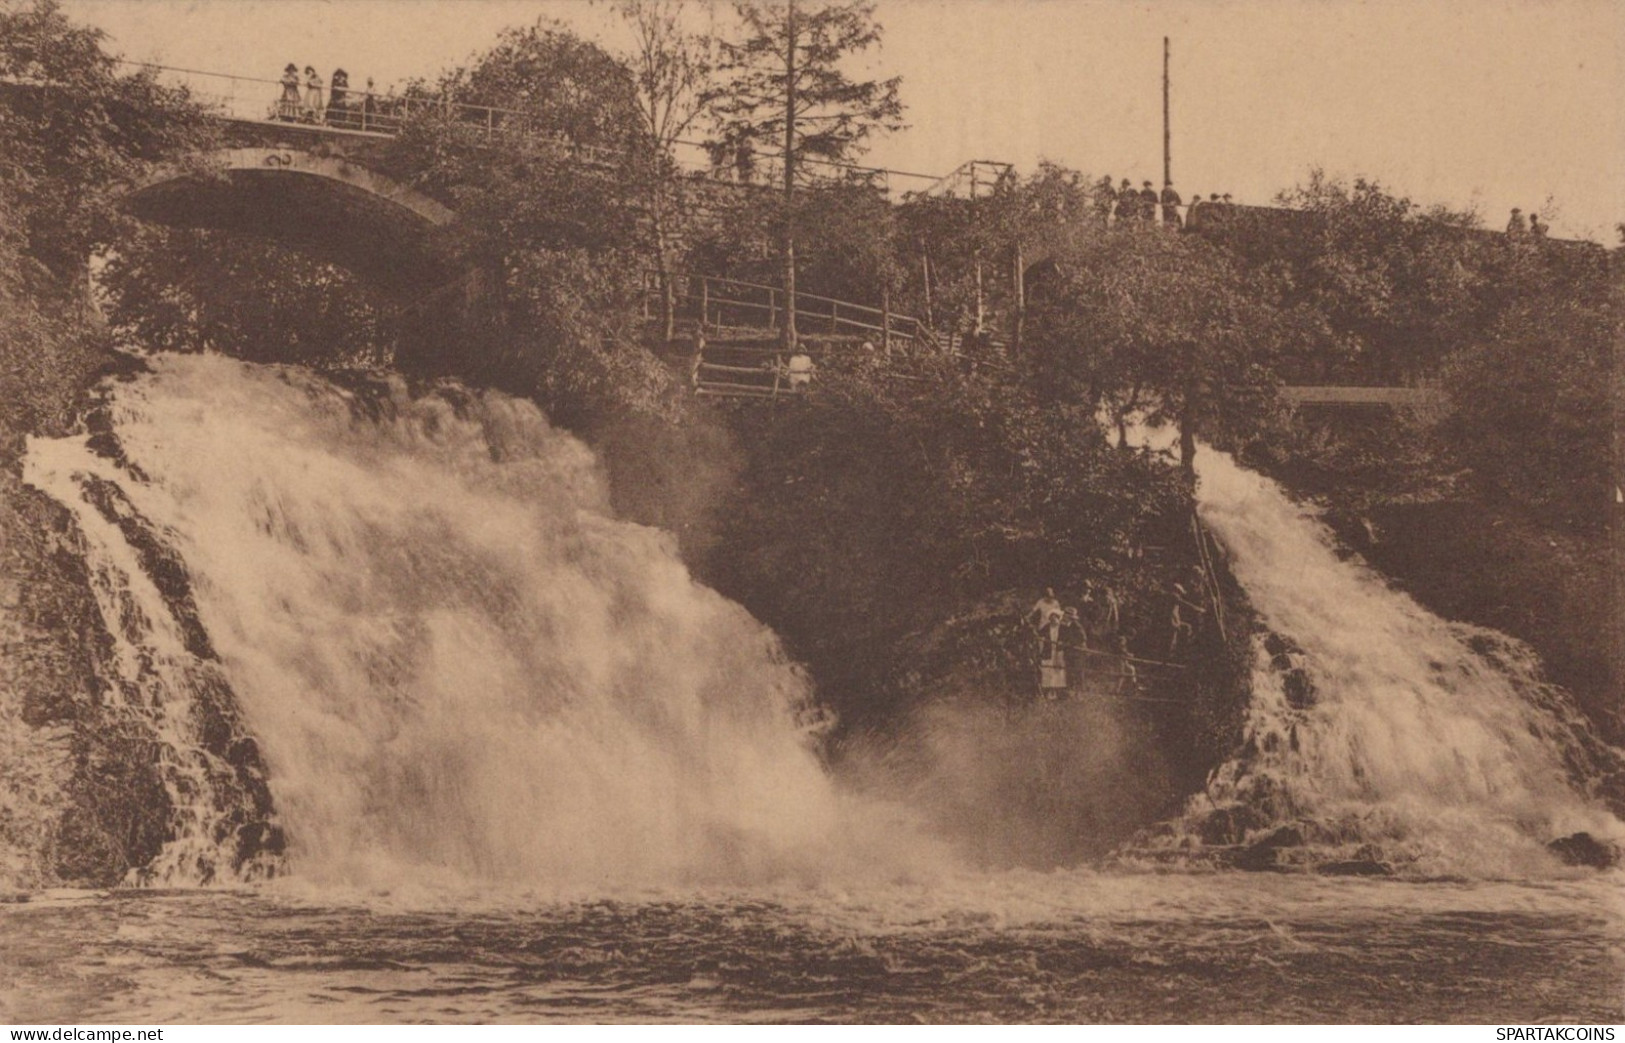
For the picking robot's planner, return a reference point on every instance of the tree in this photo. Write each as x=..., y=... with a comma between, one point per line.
x=252, y=298
x=72, y=128
x=1162, y=324
x=1395, y=281
x=562, y=233
x=1530, y=406
x=558, y=95
x=672, y=70
x=786, y=85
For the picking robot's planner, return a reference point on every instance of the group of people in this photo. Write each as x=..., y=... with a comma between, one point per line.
x=1146, y=204
x=1534, y=226
x=302, y=101
x=1063, y=644
x=1068, y=639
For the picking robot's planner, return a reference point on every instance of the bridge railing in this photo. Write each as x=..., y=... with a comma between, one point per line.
x=716, y=304
x=260, y=99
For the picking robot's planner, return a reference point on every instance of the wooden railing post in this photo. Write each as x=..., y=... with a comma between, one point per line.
x=834, y=319
x=885, y=319
x=705, y=300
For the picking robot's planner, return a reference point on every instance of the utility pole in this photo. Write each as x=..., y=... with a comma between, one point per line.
x=789, y=331
x=1167, y=136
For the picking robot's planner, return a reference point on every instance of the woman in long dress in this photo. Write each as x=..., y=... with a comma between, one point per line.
x=1051, y=659
x=287, y=106
x=313, y=96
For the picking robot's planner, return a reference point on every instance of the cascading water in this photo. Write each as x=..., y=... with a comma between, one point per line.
x=455, y=663
x=1406, y=738
x=385, y=637
x=403, y=630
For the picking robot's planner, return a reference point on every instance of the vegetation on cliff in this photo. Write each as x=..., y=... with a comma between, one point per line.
x=82, y=799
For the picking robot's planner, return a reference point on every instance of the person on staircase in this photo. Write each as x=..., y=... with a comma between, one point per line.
x=800, y=371
x=1075, y=645
x=1051, y=659
x=1042, y=609
x=1184, y=616
x=1128, y=678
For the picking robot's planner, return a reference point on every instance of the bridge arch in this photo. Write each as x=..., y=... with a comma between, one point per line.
x=328, y=205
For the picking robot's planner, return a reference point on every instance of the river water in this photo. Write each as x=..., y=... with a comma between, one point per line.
x=526, y=768
x=1072, y=946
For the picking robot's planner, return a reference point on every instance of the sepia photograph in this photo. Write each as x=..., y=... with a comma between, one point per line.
x=812, y=512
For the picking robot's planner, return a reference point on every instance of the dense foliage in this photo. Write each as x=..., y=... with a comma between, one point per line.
x=202, y=290
x=920, y=489
x=71, y=128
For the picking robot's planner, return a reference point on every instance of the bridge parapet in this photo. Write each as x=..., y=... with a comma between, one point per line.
x=254, y=100
x=335, y=207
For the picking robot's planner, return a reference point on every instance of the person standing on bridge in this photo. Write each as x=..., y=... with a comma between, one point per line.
x=338, y=97
x=1128, y=202
x=287, y=106
x=1170, y=205
x=1105, y=199
x=1148, y=202
x=313, y=96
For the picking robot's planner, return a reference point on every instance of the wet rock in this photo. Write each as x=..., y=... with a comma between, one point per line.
x=1583, y=849
x=1264, y=853
x=1299, y=690
x=158, y=560
x=259, y=838
x=1355, y=867
x=1286, y=836
x=1228, y=825
x=1285, y=657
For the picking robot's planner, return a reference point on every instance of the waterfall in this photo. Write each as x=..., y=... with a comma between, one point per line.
x=1377, y=729
x=374, y=636
x=453, y=661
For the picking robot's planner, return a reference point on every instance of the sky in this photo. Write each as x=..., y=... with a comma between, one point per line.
x=1463, y=102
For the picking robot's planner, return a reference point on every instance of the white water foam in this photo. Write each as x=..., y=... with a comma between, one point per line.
x=458, y=665
x=1427, y=742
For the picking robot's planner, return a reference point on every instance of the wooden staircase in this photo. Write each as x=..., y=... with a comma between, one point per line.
x=727, y=332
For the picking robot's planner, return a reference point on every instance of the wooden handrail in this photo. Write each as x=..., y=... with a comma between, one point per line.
x=840, y=314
